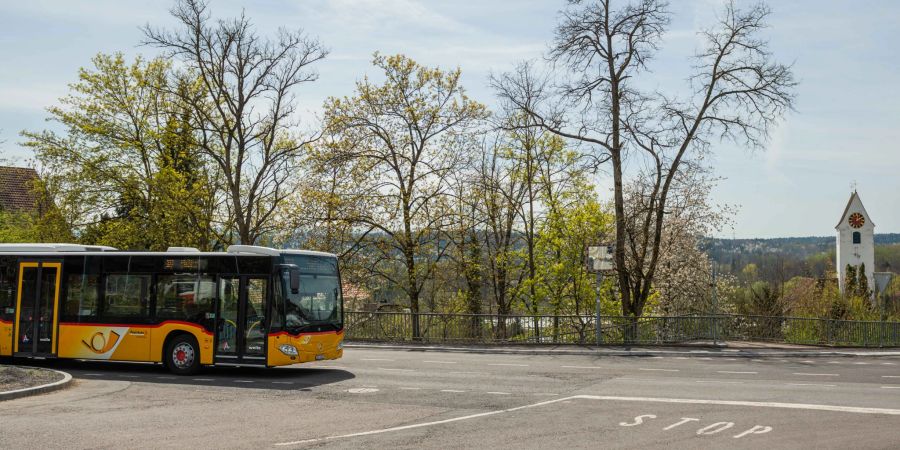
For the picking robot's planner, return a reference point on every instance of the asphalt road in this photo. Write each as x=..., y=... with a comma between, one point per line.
x=415, y=399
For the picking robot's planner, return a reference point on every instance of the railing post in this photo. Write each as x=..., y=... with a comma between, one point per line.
x=598, y=330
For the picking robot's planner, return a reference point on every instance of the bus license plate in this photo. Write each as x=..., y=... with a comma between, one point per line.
x=320, y=357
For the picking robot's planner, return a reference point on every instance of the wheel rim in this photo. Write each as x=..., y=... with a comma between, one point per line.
x=183, y=355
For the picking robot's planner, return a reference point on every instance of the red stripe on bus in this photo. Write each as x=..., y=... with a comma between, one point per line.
x=168, y=322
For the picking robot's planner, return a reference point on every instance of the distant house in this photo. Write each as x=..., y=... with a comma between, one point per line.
x=17, y=189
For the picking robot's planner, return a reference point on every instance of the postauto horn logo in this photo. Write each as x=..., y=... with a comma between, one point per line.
x=101, y=344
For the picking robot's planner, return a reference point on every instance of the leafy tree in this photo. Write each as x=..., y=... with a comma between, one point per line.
x=851, y=281
x=410, y=133
x=862, y=283
x=125, y=172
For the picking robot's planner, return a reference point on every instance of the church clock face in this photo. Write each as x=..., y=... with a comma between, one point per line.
x=856, y=220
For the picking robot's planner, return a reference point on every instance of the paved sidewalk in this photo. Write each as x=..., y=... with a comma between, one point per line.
x=700, y=349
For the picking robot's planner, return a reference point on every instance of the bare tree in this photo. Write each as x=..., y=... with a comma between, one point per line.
x=739, y=93
x=246, y=108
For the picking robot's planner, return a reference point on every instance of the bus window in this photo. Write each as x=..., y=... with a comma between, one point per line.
x=126, y=296
x=81, y=296
x=185, y=297
x=7, y=288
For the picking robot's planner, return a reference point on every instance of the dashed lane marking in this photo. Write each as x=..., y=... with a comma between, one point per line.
x=362, y=390
x=410, y=389
x=282, y=382
x=888, y=364
x=545, y=393
x=244, y=381
x=440, y=362
x=128, y=376
x=166, y=378
x=202, y=379
x=376, y=359
x=509, y=365
x=719, y=381
x=660, y=370
x=396, y=370
x=581, y=367
x=96, y=374
x=890, y=387
x=467, y=373
x=890, y=376
x=737, y=372
x=498, y=393
x=456, y=391
x=811, y=384
x=805, y=374
x=803, y=406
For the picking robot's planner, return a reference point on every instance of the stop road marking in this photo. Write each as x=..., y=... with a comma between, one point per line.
x=711, y=429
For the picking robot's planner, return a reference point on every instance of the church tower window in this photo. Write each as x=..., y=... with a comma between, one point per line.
x=857, y=237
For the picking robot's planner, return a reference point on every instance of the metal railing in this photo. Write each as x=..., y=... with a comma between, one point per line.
x=649, y=330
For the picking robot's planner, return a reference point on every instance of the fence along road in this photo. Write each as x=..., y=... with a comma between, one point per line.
x=580, y=329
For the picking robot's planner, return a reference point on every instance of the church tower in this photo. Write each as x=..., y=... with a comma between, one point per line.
x=855, y=241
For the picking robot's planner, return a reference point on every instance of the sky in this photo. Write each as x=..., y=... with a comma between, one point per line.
x=846, y=56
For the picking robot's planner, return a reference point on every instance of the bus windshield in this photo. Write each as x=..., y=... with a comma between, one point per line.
x=318, y=301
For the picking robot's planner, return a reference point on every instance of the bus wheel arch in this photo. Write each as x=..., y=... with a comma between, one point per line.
x=181, y=353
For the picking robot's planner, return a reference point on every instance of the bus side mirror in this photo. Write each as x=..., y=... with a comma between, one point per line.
x=295, y=281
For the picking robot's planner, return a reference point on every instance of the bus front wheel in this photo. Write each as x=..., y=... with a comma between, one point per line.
x=182, y=355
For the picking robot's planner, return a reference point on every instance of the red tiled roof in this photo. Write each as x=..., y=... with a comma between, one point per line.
x=16, y=188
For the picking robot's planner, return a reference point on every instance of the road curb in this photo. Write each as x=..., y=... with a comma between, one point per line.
x=35, y=390
x=720, y=353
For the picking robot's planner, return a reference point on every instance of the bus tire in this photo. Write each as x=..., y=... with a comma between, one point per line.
x=182, y=355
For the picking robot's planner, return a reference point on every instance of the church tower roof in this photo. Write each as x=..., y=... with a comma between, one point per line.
x=854, y=198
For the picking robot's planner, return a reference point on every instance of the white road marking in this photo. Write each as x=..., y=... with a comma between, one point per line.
x=861, y=363
x=803, y=406
x=756, y=360
x=498, y=393
x=812, y=384
x=98, y=374
x=468, y=373
x=425, y=424
x=737, y=372
x=452, y=390
x=719, y=381
x=581, y=367
x=803, y=374
x=244, y=381
x=544, y=393
x=162, y=378
x=681, y=357
x=282, y=382
x=890, y=376
x=683, y=421
x=396, y=370
x=691, y=401
x=807, y=361
x=660, y=370
x=128, y=376
x=834, y=362
x=509, y=365
x=890, y=387
x=440, y=362
x=888, y=364
x=376, y=359
x=362, y=390
x=202, y=379
x=410, y=389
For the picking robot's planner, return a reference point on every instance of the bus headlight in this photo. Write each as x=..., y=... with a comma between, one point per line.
x=288, y=349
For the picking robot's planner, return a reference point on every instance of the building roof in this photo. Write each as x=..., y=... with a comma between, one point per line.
x=854, y=196
x=16, y=188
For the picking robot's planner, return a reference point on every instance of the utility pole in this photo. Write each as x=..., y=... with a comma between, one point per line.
x=715, y=302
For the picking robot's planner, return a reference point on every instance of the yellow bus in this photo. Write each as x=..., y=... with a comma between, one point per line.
x=247, y=306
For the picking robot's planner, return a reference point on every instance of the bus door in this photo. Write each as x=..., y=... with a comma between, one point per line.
x=36, y=308
x=241, y=326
